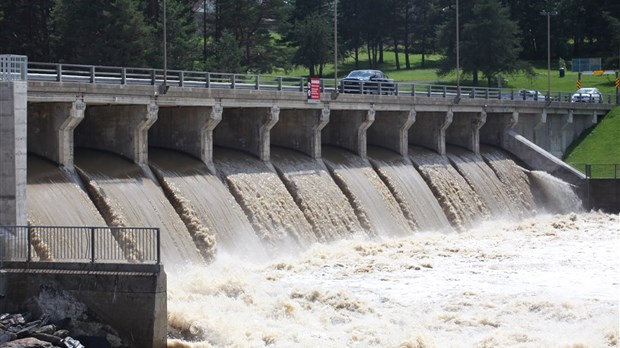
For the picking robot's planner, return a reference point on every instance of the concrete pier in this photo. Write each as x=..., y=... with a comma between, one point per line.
x=247, y=129
x=50, y=131
x=391, y=130
x=465, y=130
x=122, y=129
x=430, y=130
x=13, y=157
x=347, y=129
x=187, y=129
x=301, y=130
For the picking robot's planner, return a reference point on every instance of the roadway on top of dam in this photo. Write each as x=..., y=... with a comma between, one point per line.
x=93, y=85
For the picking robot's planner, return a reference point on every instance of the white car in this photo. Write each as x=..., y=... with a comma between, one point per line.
x=587, y=95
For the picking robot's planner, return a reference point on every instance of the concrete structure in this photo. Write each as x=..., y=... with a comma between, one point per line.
x=603, y=194
x=13, y=159
x=130, y=298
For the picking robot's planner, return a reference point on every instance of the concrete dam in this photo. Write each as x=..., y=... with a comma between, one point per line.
x=256, y=174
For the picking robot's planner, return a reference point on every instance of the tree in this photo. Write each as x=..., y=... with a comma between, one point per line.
x=100, y=32
x=25, y=28
x=226, y=55
x=490, y=41
x=313, y=38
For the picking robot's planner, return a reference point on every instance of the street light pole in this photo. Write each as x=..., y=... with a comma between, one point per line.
x=164, y=87
x=336, y=46
x=458, y=67
x=548, y=14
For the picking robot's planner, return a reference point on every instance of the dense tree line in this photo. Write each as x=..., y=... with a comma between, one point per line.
x=262, y=35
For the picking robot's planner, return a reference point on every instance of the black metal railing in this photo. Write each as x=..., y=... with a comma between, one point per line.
x=80, y=244
x=38, y=71
x=599, y=171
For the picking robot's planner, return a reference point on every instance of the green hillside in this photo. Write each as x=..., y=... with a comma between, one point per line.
x=600, y=146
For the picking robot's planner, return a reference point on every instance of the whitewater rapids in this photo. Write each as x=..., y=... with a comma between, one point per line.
x=546, y=281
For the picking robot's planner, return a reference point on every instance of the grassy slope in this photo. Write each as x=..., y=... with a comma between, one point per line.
x=599, y=146
x=604, y=83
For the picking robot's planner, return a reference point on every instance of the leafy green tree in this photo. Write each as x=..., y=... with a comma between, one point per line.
x=226, y=55
x=25, y=28
x=313, y=38
x=101, y=32
x=490, y=41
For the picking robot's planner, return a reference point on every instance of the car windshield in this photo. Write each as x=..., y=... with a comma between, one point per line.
x=587, y=91
x=361, y=73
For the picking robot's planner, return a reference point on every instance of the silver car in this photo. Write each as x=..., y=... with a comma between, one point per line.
x=587, y=95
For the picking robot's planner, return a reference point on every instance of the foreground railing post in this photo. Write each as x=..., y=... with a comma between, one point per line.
x=123, y=76
x=588, y=171
x=29, y=242
x=158, y=247
x=92, y=74
x=92, y=245
x=279, y=83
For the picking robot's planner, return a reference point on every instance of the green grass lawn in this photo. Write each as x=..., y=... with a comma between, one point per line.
x=605, y=83
x=600, y=146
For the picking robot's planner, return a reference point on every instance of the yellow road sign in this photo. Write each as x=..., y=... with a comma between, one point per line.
x=598, y=72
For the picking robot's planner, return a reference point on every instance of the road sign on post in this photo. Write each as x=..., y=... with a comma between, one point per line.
x=314, y=90
x=579, y=81
x=617, y=87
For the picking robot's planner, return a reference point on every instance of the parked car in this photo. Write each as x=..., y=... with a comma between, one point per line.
x=587, y=95
x=527, y=94
x=367, y=82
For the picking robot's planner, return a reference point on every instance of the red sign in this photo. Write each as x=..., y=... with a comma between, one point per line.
x=314, y=90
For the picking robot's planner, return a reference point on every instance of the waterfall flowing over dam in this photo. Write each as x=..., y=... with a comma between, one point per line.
x=253, y=208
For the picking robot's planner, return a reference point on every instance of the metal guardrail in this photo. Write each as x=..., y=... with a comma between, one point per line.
x=80, y=244
x=600, y=171
x=13, y=67
x=37, y=71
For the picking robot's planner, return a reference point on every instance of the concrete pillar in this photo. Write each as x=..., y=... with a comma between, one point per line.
x=187, y=129
x=430, y=130
x=541, y=131
x=347, y=129
x=391, y=130
x=300, y=130
x=493, y=132
x=122, y=129
x=247, y=129
x=50, y=130
x=13, y=152
x=465, y=130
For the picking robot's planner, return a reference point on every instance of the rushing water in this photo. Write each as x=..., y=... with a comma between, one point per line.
x=375, y=206
x=462, y=205
x=547, y=281
x=56, y=198
x=127, y=195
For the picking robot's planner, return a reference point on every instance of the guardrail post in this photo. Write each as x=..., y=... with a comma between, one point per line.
x=92, y=245
x=257, y=82
x=208, y=80
x=233, y=81
x=92, y=74
x=429, y=91
x=445, y=91
x=588, y=171
x=302, y=84
x=124, y=76
x=158, y=247
x=181, y=78
x=59, y=73
x=413, y=89
x=153, y=77
x=279, y=83
x=396, y=88
x=29, y=242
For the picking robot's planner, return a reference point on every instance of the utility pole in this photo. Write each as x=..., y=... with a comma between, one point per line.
x=548, y=14
x=458, y=58
x=336, y=46
x=164, y=88
x=204, y=31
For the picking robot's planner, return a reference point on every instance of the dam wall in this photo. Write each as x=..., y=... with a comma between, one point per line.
x=130, y=298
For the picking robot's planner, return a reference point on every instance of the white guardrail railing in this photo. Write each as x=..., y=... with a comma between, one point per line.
x=13, y=67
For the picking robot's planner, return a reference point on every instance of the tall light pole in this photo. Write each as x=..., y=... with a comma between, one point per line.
x=548, y=14
x=458, y=58
x=336, y=46
x=164, y=88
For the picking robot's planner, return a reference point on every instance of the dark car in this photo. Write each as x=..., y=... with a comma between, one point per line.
x=367, y=82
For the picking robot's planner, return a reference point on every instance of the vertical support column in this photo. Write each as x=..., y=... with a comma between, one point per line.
x=141, y=134
x=122, y=129
x=270, y=118
x=541, y=136
x=65, y=133
x=206, y=135
x=347, y=129
x=391, y=130
x=566, y=130
x=50, y=130
x=465, y=130
x=430, y=129
x=316, y=133
x=13, y=152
